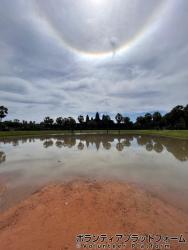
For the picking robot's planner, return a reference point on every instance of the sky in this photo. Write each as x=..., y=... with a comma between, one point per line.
x=67, y=57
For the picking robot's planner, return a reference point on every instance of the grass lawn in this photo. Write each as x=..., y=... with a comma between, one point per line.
x=166, y=133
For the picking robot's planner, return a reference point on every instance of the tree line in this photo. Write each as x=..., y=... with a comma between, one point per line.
x=177, y=118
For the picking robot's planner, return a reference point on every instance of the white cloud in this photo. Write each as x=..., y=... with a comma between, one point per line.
x=40, y=76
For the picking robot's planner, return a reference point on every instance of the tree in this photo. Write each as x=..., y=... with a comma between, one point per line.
x=174, y=116
x=157, y=118
x=180, y=123
x=60, y=121
x=140, y=122
x=127, y=122
x=106, y=121
x=119, y=118
x=147, y=120
x=48, y=121
x=3, y=112
x=186, y=115
x=106, y=118
x=81, y=119
x=17, y=121
x=71, y=123
x=144, y=122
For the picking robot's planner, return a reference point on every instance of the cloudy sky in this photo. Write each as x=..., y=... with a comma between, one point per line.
x=67, y=57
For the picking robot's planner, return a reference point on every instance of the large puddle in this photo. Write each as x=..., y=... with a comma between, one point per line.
x=158, y=165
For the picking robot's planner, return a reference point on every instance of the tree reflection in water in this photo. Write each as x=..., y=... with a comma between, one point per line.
x=106, y=145
x=59, y=143
x=149, y=146
x=48, y=143
x=2, y=157
x=158, y=147
x=80, y=145
x=69, y=141
x=177, y=147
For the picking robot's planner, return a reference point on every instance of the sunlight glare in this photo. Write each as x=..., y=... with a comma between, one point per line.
x=97, y=2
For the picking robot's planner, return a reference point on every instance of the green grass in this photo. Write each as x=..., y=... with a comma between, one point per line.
x=183, y=134
x=31, y=133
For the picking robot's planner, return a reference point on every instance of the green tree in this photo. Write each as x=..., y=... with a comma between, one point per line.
x=174, y=116
x=156, y=117
x=140, y=122
x=3, y=112
x=81, y=119
x=48, y=121
x=60, y=121
x=119, y=118
x=127, y=122
x=71, y=123
x=180, y=123
x=186, y=115
x=106, y=122
x=147, y=120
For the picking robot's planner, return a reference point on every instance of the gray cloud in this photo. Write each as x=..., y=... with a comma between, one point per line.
x=14, y=85
x=41, y=75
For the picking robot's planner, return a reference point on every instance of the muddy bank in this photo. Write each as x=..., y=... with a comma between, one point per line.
x=2, y=189
x=54, y=216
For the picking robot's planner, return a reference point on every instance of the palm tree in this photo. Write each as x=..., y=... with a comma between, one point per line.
x=80, y=119
x=119, y=119
x=3, y=112
x=48, y=121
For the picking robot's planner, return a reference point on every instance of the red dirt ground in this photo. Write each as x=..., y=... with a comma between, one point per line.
x=52, y=217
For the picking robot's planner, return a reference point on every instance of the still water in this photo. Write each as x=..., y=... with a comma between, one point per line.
x=157, y=165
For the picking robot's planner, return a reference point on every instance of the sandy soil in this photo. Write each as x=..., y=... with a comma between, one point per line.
x=54, y=216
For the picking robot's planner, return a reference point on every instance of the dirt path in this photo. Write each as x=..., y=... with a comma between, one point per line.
x=54, y=216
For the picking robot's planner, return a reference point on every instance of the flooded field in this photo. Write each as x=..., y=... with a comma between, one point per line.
x=157, y=165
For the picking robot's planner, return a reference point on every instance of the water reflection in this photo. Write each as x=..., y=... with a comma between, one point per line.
x=177, y=147
x=80, y=145
x=2, y=157
x=106, y=145
x=48, y=143
x=69, y=141
x=119, y=146
x=59, y=143
x=29, y=163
